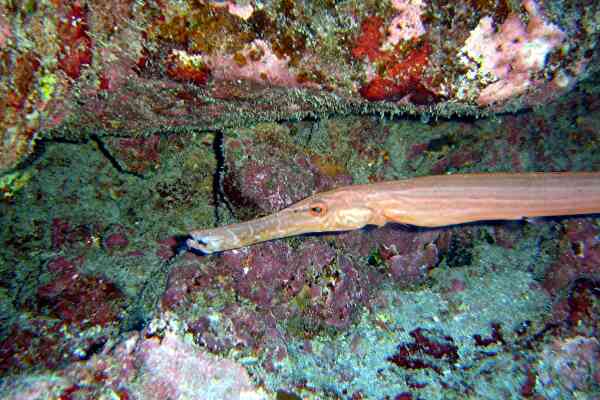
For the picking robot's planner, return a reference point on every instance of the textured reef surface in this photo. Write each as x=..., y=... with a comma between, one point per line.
x=75, y=68
x=98, y=300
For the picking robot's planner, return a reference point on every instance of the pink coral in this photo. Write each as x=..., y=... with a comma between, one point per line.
x=514, y=52
x=256, y=62
x=406, y=24
x=173, y=368
x=244, y=11
x=138, y=367
x=259, y=64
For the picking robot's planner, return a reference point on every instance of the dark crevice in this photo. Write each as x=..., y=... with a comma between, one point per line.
x=220, y=170
x=113, y=161
x=38, y=151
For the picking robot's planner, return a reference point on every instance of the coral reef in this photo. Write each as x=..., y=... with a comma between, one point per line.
x=99, y=300
x=133, y=69
x=160, y=364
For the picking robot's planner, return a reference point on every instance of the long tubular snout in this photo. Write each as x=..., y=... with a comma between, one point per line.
x=279, y=225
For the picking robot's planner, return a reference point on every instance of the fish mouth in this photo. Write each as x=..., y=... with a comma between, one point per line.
x=285, y=223
x=205, y=242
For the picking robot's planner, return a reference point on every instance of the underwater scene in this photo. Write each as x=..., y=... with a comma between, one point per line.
x=299, y=200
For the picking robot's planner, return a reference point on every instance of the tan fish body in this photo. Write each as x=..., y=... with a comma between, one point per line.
x=430, y=201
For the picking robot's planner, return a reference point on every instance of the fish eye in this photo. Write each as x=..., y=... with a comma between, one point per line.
x=317, y=209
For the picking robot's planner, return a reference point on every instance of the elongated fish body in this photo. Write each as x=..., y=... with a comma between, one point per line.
x=455, y=199
x=430, y=201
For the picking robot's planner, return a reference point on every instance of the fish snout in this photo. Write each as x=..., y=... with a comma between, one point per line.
x=209, y=241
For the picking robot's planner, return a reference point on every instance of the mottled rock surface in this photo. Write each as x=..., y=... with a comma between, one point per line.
x=73, y=68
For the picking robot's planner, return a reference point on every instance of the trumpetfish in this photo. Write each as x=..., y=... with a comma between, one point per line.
x=430, y=201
